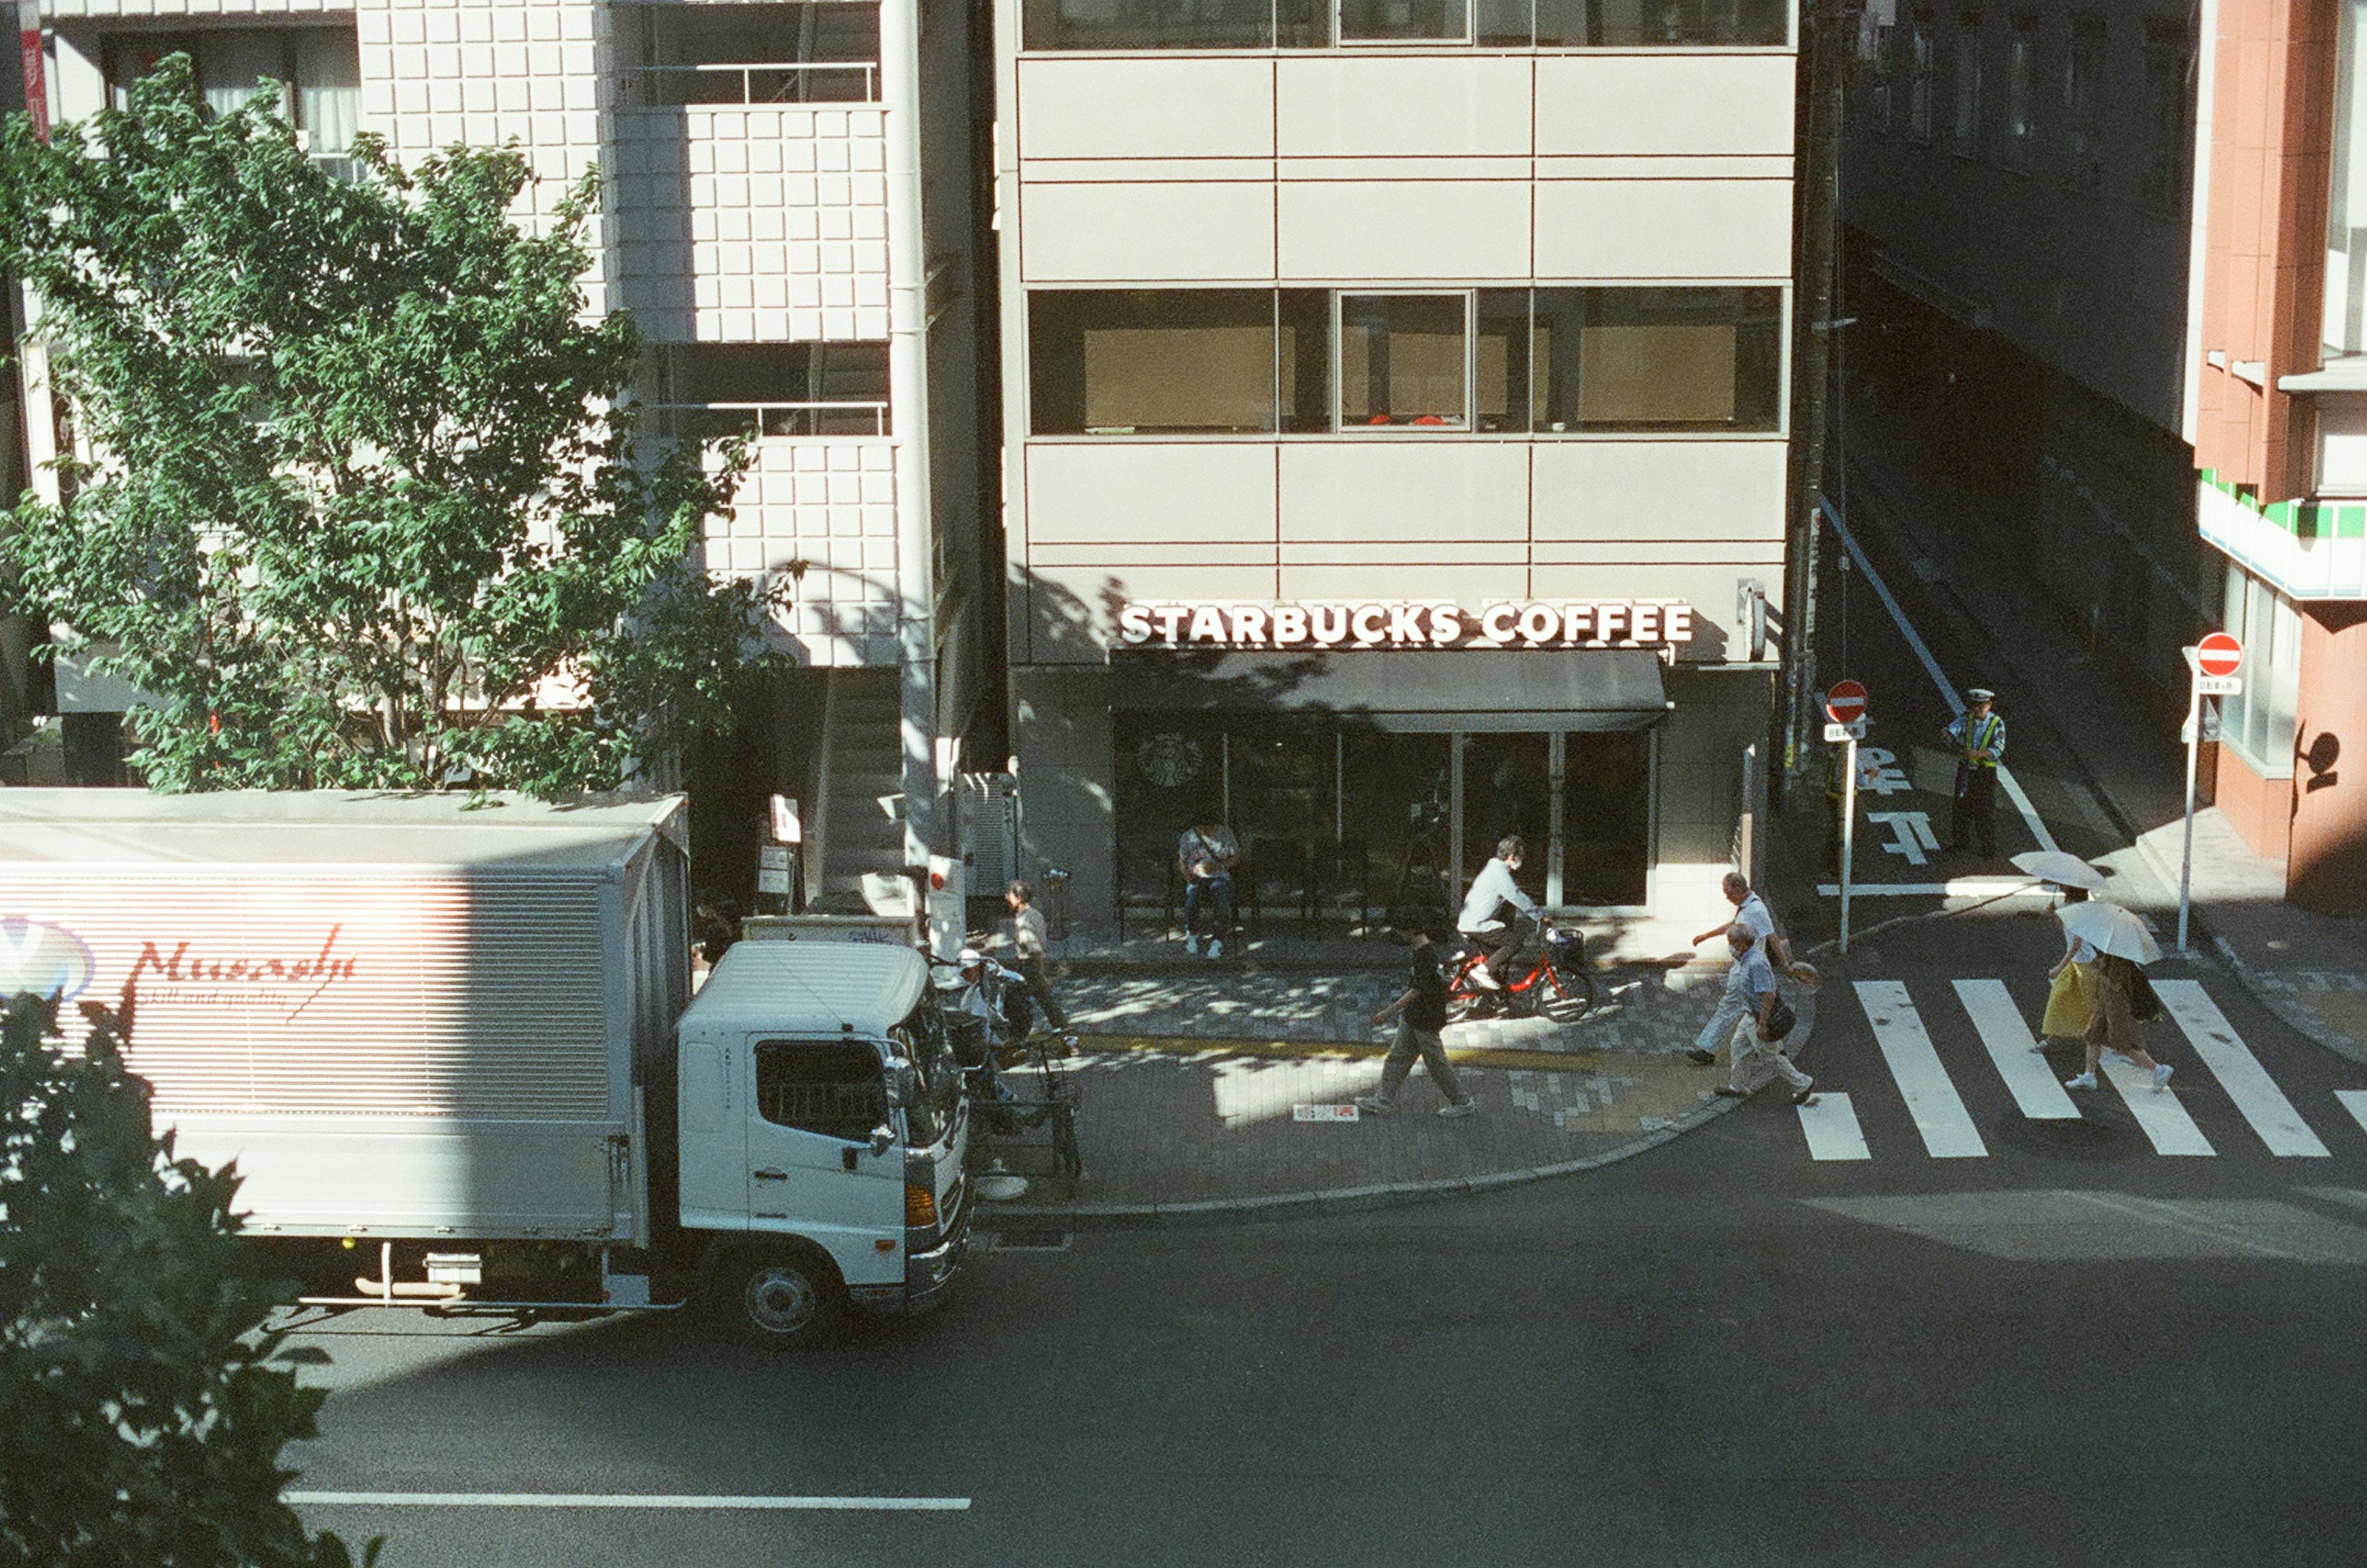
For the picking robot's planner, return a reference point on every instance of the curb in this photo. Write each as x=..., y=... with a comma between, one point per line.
x=1339, y=1199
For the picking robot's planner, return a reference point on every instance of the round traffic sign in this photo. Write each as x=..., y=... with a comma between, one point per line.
x=1845, y=703
x=2219, y=654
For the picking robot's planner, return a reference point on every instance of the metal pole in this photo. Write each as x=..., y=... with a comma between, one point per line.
x=2193, y=745
x=1849, y=829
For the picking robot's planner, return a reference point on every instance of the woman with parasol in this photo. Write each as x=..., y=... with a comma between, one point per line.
x=2122, y=945
x=2071, y=983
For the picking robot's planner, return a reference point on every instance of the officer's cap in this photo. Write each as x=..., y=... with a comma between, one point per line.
x=1981, y=694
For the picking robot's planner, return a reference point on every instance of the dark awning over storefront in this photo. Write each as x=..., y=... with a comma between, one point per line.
x=1497, y=691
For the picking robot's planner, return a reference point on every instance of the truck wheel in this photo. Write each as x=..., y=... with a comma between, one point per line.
x=782, y=1300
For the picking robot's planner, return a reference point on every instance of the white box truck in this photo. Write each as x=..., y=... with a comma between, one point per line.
x=453, y=1048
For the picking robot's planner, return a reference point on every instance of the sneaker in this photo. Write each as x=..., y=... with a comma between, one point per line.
x=2085, y=1080
x=1215, y=948
x=1804, y=1093
x=1701, y=1058
x=1460, y=1108
x=1372, y=1105
x=1485, y=981
x=1192, y=945
x=2161, y=1072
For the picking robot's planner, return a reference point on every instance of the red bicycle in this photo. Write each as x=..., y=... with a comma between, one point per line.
x=1557, y=982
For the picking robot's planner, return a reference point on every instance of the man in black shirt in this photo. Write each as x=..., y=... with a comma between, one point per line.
x=1423, y=1008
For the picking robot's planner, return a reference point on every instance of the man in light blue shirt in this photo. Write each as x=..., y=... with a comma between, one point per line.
x=1491, y=890
x=1751, y=982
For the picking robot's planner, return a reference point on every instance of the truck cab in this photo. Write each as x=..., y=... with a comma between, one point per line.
x=821, y=1137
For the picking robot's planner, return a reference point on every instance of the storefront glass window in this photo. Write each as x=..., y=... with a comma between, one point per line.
x=2346, y=239
x=1396, y=817
x=1507, y=790
x=1302, y=322
x=1629, y=24
x=1500, y=359
x=1402, y=360
x=1127, y=361
x=1151, y=24
x=2261, y=722
x=1705, y=359
x=1606, y=817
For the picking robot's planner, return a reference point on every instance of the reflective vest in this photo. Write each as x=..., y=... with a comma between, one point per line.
x=1988, y=737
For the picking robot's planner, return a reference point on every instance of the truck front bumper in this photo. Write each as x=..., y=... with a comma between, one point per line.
x=928, y=1277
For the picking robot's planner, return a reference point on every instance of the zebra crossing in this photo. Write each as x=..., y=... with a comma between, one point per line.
x=1928, y=1086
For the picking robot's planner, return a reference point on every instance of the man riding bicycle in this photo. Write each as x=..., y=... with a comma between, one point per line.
x=1491, y=890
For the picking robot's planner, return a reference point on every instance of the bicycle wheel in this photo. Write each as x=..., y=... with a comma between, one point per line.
x=1577, y=989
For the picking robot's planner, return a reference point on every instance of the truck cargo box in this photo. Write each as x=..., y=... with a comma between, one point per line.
x=402, y=1016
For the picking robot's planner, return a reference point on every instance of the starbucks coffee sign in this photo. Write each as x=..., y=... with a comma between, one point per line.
x=1407, y=622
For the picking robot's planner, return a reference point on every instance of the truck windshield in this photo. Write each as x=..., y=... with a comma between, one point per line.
x=938, y=1076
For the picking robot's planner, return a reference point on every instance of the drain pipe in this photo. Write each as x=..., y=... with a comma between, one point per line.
x=908, y=392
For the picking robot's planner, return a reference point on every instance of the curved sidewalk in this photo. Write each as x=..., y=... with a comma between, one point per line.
x=1211, y=1094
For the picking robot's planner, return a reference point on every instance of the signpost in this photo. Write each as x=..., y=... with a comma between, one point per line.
x=2211, y=665
x=1845, y=706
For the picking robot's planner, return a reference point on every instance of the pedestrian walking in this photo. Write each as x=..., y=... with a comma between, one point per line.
x=2071, y=984
x=2114, y=1026
x=1978, y=736
x=1421, y=1013
x=1751, y=911
x=1752, y=981
x=1206, y=854
x=1030, y=945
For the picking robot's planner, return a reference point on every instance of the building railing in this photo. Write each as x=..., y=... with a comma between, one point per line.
x=787, y=82
x=709, y=421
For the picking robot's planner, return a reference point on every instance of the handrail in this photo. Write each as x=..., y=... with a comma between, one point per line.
x=790, y=89
x=839, y=418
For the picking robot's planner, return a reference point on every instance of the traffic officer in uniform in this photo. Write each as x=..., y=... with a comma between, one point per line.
x=1978, y=736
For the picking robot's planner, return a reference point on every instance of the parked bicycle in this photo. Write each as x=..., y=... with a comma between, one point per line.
x=1556, y=982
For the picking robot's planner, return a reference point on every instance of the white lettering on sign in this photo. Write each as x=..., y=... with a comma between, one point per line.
x=1408, y=623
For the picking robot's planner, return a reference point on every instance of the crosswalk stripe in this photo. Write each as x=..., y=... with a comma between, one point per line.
x=1940, y=1115
x=1832, y=1129
x=2012, y=1047
x=2239, y=1072
x=2354, y=1100
x=2160, y=1116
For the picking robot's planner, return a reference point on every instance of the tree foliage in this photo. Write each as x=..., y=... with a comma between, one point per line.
x=359, y=485
x=139, y=1420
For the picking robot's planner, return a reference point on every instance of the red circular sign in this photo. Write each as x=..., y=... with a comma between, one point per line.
x=2219, y=654
x=1845, y=703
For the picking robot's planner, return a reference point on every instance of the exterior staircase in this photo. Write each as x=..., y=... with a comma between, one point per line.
x=862, y=763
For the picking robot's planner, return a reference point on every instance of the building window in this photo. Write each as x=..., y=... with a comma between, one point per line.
x=1658, y=359
x=2083, y=106
x=1918, y=77
x=708, y=390
x=1967, y=84
x=2020, y=95
x=2346, y=238
x=1404, y=360
x=2262, y=721
x=1403, y=21
x=2169, y=133
x=318, y=71
x=672, y=55
x=1500, y=23
x=1552, y=361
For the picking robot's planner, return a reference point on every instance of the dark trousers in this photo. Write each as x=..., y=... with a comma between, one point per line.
x=1031, y=970
x=1976, y=817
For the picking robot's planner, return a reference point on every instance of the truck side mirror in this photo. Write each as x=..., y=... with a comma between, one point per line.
x=883, y=1138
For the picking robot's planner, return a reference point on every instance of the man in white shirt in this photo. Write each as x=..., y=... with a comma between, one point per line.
x=1491, y=890
x=1751, y=986
x=1751, y=914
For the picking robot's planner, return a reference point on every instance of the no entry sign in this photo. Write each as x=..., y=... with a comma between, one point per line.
x=2219, y=654
x=1845, y=703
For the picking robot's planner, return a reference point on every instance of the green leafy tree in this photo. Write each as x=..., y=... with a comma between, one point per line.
x=139, y=1420
x=358, y=482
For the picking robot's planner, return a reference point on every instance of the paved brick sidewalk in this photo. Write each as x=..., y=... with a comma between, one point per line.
x=1189, y=1080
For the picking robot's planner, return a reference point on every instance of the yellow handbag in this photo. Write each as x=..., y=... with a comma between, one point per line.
x=2070, y=1003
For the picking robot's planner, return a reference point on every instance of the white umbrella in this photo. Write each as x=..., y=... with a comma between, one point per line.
x=2061, y=868
x=2108, y=928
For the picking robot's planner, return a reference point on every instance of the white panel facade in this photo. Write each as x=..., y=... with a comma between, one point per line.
x=1194, y=231
x=1443, y=231
x=1392, y=490
x=1599, y=104
x=1646, y=491
x=1664, y=228
x=1179, y=499
x=823, y=513
x=1349, y=105
x=752, y=225
x=1175, y=107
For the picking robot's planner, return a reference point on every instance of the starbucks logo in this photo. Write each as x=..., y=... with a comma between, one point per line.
x=1169, y=759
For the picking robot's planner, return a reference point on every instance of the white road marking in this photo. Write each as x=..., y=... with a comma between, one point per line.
x=2239, y=1072
x=1832, y=1129
x=1940, y=1115
x=670, y=1502
x=1954, y=887
x=2165, y=1120
x=2010, y=1047
x=2354, y=1100
x=2006, y=781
